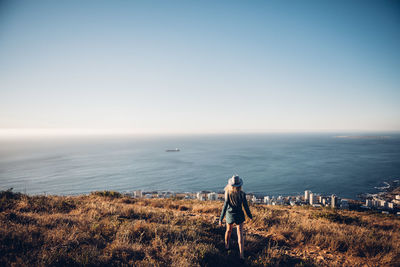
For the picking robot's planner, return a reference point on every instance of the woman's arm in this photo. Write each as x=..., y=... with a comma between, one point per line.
x=246, y=206
x=223, y=211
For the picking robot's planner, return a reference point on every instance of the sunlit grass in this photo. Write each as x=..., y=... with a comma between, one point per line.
x=106, y=228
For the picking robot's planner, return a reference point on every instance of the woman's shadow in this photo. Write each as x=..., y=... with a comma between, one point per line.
x=259, y=251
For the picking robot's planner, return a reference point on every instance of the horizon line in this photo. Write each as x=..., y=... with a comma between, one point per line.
x=65, y=132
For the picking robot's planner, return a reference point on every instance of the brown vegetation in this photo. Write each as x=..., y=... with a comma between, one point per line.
x=106, y=228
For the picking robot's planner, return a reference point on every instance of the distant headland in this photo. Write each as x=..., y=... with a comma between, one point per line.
x=363, y=136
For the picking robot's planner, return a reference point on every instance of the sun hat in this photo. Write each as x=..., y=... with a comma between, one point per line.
x=235, y=181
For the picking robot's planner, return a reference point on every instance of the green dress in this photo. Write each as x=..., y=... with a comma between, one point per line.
x=234, y=212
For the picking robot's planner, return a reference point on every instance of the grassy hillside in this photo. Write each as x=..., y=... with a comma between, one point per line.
x=109, y=229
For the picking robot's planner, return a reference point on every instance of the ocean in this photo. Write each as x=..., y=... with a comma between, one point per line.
x=270, y=164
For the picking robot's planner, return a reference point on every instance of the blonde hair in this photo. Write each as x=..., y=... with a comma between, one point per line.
x=233, y=193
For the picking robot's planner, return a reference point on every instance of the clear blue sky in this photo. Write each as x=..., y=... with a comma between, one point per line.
x=200, y=66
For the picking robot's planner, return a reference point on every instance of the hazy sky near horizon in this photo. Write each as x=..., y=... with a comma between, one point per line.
x=200, y=66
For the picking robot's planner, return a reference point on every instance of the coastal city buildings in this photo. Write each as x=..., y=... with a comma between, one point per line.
x=206, y=195
x=137, y=193
x=201, y=196
x=279, y=200
x=307, y=195
x=378, y=202
x=333, y=201
x=212, y=196
x=312, y=199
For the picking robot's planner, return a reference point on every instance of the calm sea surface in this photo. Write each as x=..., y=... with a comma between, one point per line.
x=271, y=164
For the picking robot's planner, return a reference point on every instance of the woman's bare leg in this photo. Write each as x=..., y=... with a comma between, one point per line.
x=228, y=233
x=240, y=235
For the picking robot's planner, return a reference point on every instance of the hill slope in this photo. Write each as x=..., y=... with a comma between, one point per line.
x=109, y=229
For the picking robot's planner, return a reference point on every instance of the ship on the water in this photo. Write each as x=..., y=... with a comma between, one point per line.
x=173, y=150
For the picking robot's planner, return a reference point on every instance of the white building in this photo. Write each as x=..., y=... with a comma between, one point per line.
x=376, y=203
x=333, y=201
x=307, y=195
x=254, y=199
x=368, y=203
x=311, y=196
x=398, y=197
x=382, y=203
x=323, y=201
x=138, y=193
x=390, y=205
x=199, y=195
x=212, y=196
x=266, y=200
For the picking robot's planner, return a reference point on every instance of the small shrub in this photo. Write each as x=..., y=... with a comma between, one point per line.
x=8, y=199
x=105, y=193
x=183, y=208
x=334, y=216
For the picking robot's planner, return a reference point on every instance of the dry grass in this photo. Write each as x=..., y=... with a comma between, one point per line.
x=106, y=228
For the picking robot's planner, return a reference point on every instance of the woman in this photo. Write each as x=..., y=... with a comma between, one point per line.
x=234, y=199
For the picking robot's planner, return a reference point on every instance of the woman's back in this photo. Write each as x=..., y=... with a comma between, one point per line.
x=235, y=201
x=235, y=198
